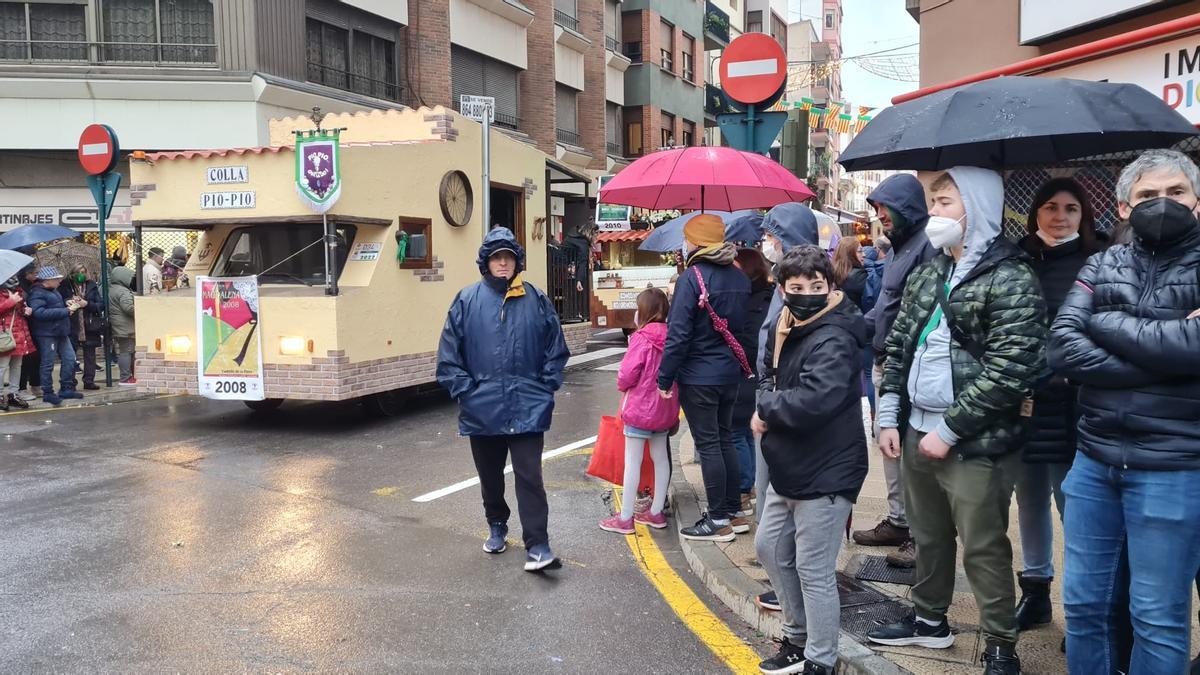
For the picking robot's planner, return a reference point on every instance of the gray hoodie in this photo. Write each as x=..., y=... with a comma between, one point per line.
x=795, y=225
x=930, y=382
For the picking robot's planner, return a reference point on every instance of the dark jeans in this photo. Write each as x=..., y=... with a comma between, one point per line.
x=709, y=412
x=743, y=440
x=491, y=454
x=51, y=348
x=88, y=354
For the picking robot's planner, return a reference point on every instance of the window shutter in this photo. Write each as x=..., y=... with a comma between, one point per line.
x=129, y=21
x=565, y=108
x=12, y=27
x=501, y=82
x=61, y=25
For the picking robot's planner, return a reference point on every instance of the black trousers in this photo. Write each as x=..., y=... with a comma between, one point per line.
x=709, y=412
x=491, y=454
x=31, y=370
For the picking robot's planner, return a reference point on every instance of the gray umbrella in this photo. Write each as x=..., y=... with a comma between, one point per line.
x=12, y=262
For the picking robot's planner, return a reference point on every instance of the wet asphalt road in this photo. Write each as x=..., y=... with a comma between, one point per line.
x=180, y=534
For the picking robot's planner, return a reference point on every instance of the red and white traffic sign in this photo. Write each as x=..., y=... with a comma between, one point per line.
x=98, y=149
x=753, y=67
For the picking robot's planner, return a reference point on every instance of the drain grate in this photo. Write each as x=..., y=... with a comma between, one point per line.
x=875, y=568
x=862, y=619
x=852, y=593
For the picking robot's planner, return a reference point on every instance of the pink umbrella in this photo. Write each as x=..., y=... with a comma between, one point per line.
x=716, y=178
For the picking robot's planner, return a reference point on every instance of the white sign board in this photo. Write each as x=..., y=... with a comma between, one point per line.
x=611, y=217
x=241, y=199
x=229, y=343
x=69, y=207
x=1042, y=20
x=366, y=251
x=228, y=174
x=478, y=108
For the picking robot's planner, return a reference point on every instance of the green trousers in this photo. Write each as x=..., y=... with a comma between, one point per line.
x=968, y=498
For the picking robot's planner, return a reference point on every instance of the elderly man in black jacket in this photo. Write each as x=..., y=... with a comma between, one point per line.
x=1124, y=334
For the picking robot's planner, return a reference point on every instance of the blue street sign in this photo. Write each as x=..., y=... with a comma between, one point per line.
x=104, y=191
x=736, y=129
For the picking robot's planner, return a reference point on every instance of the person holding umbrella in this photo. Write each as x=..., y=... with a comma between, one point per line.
x=15, y=341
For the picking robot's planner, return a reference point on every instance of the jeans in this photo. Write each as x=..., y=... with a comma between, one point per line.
x=50, y=348
x=1154, y=517
x=743, y=440
x=709, y=412
x=868, y=375
x=1036, y=483
x=491, y=454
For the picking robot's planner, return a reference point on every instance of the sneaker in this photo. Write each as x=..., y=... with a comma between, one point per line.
x=658, y=522
x=541, y=558
x=999, y=660
x=35, y=391
x=497, y=540
x=747, y=503
x=883, y=534
x=904, y=557
x=52, y=400
x=642, y=504
x=908, y=632
x=706, y=530
x=769, y=601
x=91, y=386
x=789, y=659
x=740, y=525
x=69, y=393
x=15, y=401
x=614, y=523
x=128, y=382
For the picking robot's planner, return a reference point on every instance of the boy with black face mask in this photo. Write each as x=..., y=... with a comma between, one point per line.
x=809, y=412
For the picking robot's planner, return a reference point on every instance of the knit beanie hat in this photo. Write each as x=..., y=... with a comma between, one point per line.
x=705, y=230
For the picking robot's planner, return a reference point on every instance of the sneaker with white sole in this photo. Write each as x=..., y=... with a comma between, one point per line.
x=497, y=541
x=909, y=632
x=769, y=601
x=706, y=530
x=539, y=558
x=739, y=524
x=789, y=658
x=617, y=524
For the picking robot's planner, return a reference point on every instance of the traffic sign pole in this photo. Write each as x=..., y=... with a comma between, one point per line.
x=99, y=151
x=487, y=173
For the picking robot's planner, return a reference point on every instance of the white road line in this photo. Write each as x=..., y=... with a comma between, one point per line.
x=750, y=68
x=462, y=485
x=594, y=356
x=612, y=367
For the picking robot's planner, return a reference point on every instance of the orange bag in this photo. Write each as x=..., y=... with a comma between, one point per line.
x=608, y=459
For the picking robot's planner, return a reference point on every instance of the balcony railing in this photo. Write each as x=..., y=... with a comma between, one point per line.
x=568, y=137
x=612, y=44
x=614, y=149
x=566, y=20
x=347, y=81
x=165, y=54
x=633, y=51
x=716, y=24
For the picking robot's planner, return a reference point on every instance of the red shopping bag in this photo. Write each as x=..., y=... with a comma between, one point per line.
x=608, y=459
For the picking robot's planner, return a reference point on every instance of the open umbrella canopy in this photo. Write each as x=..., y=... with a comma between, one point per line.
x=704, y=178
x=745, y=225
x=32, y=235
x=1015, y=121
x=12, y=262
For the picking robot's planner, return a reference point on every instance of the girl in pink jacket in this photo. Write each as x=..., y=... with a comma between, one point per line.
x=647, y=416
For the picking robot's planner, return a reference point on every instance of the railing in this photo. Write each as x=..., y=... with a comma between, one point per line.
x=347, y=81
x=716, y=22
x=633, y=51
x=612, y=44
x=568, y=137
x=167, y=54
x=566, y=20
x=614, y=149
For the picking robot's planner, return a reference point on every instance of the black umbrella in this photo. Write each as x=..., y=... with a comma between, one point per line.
x=1015, y=121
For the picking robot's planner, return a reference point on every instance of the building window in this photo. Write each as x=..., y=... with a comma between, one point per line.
x=829, y=20
x=566, y=115
x=175, y=31
x=633, y=132
x=688, y=58
x=373, y=66
x=276, y=252
x=667, y=132
x=418, y=254
x=477, y=75
x=689, y=133
x=779, y=30
x=41, y=32
x=667, y=40
x=754, y=22
x=612, y=129
x=566, y=14
x=328, y=54
x=612, y=25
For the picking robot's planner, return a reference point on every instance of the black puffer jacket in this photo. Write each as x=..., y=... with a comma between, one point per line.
x=1122, y=333
x=815, y=445
x=756, y=314
x=1055, y=413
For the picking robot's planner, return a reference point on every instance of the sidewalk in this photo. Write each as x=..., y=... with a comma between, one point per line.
x=105, y=396
x=727, y=570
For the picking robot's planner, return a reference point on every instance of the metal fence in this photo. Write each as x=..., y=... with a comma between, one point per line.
x=567, y=279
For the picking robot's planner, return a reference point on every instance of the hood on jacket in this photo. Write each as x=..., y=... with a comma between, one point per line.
x=905, y=195
x=982, y=193
x=793, y=223
x=655, y=334
x=499, y=239
x=121, y=276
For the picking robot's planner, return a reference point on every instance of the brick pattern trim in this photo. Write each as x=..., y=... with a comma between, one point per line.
x=577, y=335
x=435, y=273
x=443, y=126
x=530, y=187
x=139, y=192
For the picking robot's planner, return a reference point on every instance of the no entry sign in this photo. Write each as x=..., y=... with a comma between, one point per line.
x=98, y=149
x=753, y=68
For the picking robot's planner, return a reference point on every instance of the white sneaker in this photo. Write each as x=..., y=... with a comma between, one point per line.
x=25, y=395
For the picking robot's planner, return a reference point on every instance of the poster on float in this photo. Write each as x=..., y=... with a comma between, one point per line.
x=230, y=343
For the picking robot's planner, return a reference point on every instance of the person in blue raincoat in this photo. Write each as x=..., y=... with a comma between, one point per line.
x=501, y=356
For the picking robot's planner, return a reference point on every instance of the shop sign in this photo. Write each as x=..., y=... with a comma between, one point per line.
x=229, y=349
x=366, y=251
x=611, y=217
x=228, y=174
x=77, y=217
x=240, y=199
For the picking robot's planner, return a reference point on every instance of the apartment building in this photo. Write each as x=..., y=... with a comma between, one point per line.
x=825, y=88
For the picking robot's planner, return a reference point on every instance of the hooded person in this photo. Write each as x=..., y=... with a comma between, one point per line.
x=120, y=321
x=899, y=203
x=967, y=348
x=703, y=357
x=501, y=356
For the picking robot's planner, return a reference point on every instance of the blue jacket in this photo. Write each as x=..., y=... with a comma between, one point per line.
x=695, y=353
x=502, y=352
x=50, y=317
x=795, y=225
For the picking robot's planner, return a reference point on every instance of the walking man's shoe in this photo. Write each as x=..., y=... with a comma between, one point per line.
x=905, y=557
x=1034, y=609
x=999, y=660
x=706, y=530
x=497, y=539
x=769, y=600
x=91, y=386
x=883, y=534
x=909, y=632
x=789, y=659
x=541, y=558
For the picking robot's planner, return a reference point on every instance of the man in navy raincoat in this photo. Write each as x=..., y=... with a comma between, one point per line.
x=501, y=356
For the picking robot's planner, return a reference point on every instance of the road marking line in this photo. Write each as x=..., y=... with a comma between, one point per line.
x=696, y=615
x=594, y=356
x=462, y=485
x=752, y=68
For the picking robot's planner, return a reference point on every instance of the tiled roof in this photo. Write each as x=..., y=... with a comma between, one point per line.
x=629, y=235
x=205, y=154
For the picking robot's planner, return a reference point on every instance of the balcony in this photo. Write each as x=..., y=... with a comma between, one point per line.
x=567, y=137
x=347, y=81
x=716, y=28
x=633, y=51
x=614, y=149
x=566, y=20
x=162, y=54
x=612, y=44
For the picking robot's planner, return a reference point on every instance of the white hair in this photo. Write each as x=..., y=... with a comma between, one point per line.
x=1155, y=160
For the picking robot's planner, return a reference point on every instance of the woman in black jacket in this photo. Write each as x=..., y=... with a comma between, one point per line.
x=1062, y=235
x=752, y=262
x=86, y=323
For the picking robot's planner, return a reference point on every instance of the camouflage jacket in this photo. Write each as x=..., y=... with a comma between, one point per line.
x=999, y=305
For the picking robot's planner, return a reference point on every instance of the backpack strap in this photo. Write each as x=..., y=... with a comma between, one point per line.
x=960, y=336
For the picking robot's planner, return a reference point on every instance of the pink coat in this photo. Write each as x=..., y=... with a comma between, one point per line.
x=638, y=379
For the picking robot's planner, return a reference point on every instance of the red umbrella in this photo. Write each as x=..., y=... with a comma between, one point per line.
x=715, y=178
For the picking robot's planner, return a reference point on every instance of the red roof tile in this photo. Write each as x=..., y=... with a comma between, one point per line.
x=630, y=235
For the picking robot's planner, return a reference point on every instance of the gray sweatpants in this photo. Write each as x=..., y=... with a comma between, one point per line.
x=806, y=584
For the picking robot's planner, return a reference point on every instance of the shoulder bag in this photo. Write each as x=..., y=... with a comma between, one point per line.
x=722, y=326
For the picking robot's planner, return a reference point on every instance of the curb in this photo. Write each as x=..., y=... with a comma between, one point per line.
x=737, y=591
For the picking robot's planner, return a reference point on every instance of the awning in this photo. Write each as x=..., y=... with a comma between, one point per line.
x=628, y=235
x=560, y=173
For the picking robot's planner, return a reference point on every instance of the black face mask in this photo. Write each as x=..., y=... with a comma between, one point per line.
x=1161, y=221
x=804, y=306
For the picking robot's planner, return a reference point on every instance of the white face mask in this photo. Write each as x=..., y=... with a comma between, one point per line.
x=1052, y=242
x=770, y=251
x=943, y=232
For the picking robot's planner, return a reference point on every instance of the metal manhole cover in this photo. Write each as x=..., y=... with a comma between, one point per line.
x=875, y=568
x=862, y=619
x=853, y=593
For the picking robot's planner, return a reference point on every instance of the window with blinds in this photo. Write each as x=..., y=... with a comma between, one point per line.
x=688, y=58
x=667, y=135
x=474, y=74
x=328, y=49
x=566, y=114
x=666, y=43
x=373, y=66
x=174, y=31
x=612, y=129
x=42, y=32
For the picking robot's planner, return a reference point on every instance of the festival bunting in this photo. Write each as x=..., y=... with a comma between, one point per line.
x=814, y=117
x=806, y=104
x=860, y=123
x=843, y=123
